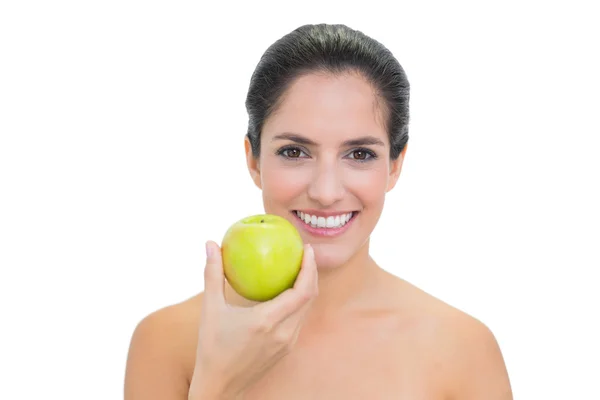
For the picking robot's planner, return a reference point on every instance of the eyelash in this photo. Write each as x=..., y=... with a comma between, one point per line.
x=371, y=154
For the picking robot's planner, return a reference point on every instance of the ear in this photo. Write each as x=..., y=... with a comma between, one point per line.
x=396, y=168
x=252, y=162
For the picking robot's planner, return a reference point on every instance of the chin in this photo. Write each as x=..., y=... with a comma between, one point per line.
x=329, y=258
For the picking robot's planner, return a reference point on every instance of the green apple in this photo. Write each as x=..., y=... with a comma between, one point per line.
x=262, y=256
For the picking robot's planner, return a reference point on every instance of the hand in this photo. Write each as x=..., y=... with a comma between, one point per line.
x=237, y=346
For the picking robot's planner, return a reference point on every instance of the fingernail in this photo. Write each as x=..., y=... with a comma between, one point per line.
x=209, y=250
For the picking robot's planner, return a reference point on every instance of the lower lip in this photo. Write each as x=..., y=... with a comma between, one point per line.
x=327, y=232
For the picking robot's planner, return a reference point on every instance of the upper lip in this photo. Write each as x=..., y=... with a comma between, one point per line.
x=321, y=213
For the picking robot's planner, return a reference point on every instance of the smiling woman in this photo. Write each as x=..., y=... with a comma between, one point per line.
x=327, y=136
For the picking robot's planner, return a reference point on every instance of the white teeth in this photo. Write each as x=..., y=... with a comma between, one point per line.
x=324, y=222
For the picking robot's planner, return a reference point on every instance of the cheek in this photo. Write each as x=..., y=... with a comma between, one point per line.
x=369, y=185
x=281, y=183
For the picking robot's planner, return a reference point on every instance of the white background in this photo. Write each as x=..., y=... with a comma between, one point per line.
x=121, y=153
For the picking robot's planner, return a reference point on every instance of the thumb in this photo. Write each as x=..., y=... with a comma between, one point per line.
x=305, y=289
x=213, y=274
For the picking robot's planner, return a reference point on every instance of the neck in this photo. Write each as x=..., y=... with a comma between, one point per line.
x=344, y=286
x=339, y=288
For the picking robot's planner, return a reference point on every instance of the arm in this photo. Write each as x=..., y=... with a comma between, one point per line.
x=479, y=368
x=154, y=367
x=211, y=350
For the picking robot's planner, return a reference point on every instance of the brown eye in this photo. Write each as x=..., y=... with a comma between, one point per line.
x=293, y=153
x=360, y=155
x=290, y=152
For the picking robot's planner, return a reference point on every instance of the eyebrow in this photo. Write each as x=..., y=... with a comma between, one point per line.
x=361, y=141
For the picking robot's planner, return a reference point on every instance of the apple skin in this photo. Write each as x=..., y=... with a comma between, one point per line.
x=262, y=255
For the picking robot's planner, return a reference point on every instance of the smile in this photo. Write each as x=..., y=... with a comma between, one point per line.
x=325, y=225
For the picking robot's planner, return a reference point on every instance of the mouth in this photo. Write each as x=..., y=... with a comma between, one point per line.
x=325, y=225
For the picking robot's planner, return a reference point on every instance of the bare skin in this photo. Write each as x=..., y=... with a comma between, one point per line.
x=395, y=341
x=348, y=329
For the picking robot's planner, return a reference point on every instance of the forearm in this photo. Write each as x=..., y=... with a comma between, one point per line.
x=210, y=390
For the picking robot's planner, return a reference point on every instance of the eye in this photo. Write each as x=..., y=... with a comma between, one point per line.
x=291, y=152
x=362, y=155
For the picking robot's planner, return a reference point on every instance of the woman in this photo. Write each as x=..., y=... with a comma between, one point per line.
x=327, y=135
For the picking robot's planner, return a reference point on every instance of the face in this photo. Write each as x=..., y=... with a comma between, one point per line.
x=325, y=165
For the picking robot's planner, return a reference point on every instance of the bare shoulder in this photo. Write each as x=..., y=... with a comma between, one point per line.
x=162, y=352
x=478, y=368
x=461, y=346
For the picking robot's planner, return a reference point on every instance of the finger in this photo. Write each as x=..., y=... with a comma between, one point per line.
x=295, y=318
x=294, y=321
x=308, y=274
x=292, y=300
x=298, y=325
x=214, y=279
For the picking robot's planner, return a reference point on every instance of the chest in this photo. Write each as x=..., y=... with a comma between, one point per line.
x=356, y=364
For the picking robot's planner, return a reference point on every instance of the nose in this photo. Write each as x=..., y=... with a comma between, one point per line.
x=327, y=186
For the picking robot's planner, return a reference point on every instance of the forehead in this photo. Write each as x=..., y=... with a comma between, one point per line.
x=323, y=106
